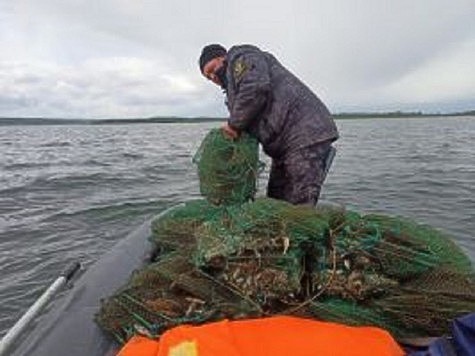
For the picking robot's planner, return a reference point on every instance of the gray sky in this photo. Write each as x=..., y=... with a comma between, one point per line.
x=134, y=58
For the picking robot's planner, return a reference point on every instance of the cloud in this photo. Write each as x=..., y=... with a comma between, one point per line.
x=444, y=77
x=139, y=58
x=112, y=87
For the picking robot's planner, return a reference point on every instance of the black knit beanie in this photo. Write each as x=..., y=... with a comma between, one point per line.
x=210, y=52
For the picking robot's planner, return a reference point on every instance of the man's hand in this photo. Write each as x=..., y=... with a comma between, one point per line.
x=229, y=132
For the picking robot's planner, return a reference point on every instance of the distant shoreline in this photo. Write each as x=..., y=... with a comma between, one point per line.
x=10, y=121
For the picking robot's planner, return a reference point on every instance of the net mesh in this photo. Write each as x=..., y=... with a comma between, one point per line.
x=266, y=257
x=227, y=168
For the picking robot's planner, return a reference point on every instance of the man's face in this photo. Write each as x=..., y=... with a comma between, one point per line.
x=210, y=69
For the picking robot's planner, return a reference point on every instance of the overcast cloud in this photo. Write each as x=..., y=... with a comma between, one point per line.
x=133, y=58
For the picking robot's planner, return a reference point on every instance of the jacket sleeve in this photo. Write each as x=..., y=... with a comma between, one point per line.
x=251, y=78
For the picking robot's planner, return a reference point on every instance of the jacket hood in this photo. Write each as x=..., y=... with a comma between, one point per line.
x=236, y=51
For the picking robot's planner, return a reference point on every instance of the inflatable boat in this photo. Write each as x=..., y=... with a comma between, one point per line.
x=68, y=328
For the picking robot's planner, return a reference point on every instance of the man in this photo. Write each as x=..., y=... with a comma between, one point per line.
x=266, y=100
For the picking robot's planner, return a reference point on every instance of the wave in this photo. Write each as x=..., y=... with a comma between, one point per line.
x=114, y=211
x=28, y=165
x=56, y=144
x=133, y=155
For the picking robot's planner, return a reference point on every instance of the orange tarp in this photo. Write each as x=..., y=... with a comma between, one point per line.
x=275, y=336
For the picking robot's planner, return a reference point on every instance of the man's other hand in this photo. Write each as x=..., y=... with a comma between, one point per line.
x=229, y=132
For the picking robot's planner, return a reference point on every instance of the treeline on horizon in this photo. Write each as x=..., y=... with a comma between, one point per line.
x=173, y=119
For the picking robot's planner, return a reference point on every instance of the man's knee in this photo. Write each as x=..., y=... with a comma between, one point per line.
x=307, y=179
x=306, y=194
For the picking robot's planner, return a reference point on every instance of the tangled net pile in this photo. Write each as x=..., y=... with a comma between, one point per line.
x=268, y=257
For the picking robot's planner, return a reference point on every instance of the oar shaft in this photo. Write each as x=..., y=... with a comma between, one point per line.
x=20, y=326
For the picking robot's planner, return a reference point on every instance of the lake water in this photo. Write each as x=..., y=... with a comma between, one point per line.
x=70, y=192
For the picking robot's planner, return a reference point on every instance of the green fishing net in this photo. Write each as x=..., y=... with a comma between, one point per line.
x=227, y=168
x=246, y=258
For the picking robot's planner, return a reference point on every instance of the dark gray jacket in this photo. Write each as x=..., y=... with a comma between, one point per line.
x=272, y=104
